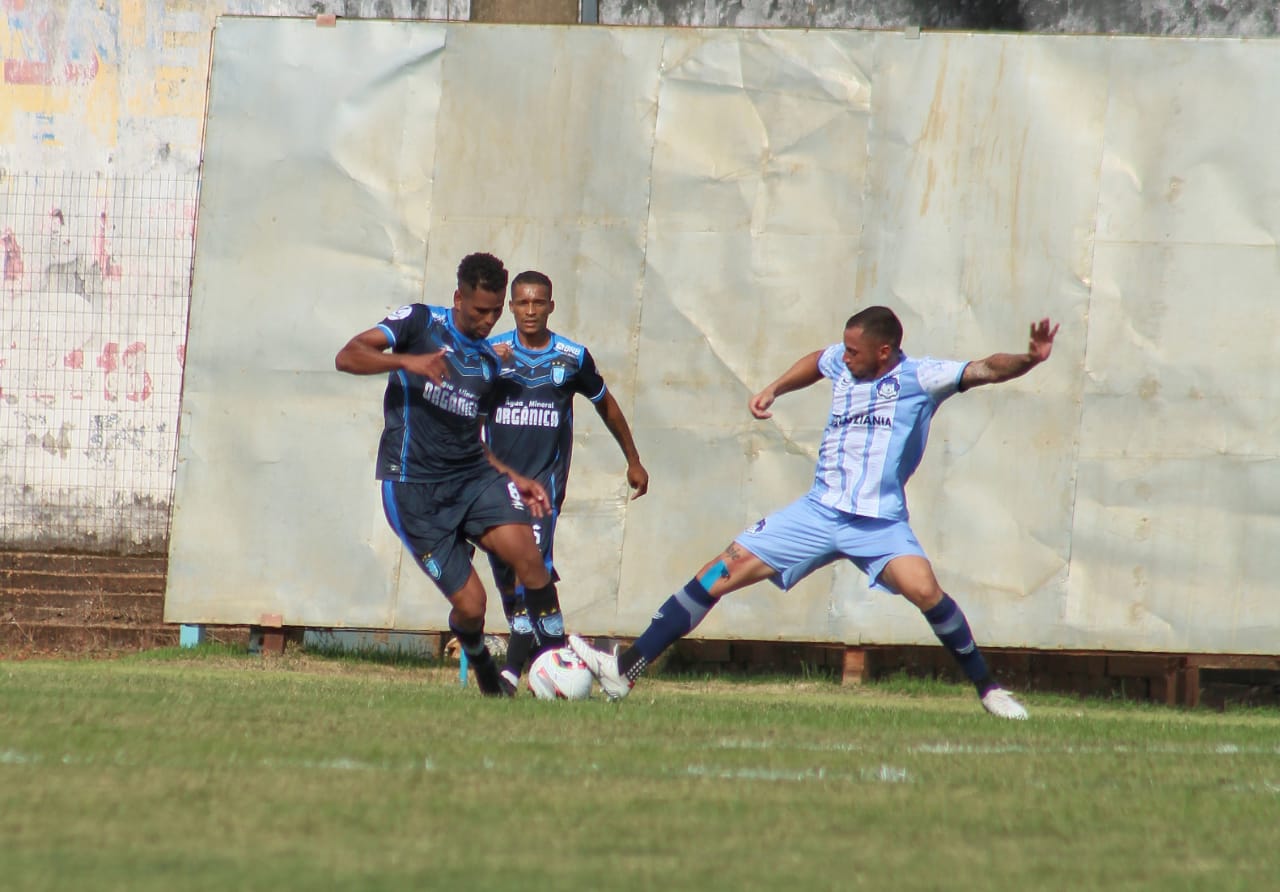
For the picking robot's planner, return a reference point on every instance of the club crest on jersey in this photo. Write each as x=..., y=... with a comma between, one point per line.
x=558, y=374
x=887, y=389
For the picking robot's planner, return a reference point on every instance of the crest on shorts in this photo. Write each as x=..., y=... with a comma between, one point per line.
x=887, y=389
x=432, y=567
x=756, y=527
x=558, y=374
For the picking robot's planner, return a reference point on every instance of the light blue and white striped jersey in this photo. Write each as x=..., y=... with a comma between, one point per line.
x=877, y=431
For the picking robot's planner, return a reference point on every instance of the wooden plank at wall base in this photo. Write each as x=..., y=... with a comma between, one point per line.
x=859, y=665
x=525, y=12
x=271, y=637
x=1189, y=685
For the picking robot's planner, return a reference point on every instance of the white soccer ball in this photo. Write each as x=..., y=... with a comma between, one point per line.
x=560, y=675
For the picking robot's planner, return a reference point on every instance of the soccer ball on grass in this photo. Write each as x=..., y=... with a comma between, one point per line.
x=558, y=674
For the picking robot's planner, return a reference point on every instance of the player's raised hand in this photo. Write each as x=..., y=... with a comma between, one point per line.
x=760, y=403
x=1041, y=340
x=504, y=352
x=432, y=366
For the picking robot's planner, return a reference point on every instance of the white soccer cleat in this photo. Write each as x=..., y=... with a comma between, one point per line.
x=1000, y=702
x=604, y=667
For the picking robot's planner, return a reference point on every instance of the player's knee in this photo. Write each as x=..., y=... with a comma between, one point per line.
x=466, y=620
x=924, y=597
x=534, y=574
x=468, y=609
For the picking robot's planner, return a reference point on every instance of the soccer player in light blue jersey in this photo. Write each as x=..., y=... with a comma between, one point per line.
x=882, y=402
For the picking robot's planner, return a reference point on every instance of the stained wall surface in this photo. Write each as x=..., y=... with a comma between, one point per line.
x=712, y=204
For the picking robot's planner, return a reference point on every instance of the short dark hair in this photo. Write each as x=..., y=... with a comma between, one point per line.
x=532, y=277
x=483, y=271
x=880, y=323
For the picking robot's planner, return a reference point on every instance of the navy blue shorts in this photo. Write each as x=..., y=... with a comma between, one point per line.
x=544, y=533
x=439, y=522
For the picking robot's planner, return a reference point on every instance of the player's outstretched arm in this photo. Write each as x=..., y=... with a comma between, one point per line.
x=611, y=414
x=802, y=374
x=366, y=354
x=1000, y=367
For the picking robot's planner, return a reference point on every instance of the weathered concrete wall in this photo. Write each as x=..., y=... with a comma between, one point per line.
x=1204, y=18
x=713, y=203
x=101, y=116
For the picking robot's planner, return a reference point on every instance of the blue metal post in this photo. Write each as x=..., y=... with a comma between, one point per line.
x=190, y=635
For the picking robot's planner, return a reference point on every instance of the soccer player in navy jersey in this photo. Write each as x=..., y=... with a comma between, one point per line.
x=443, y=491
x=882, y=402
x=531, y=429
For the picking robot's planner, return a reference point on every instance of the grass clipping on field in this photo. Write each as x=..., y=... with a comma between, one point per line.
x=217, y=770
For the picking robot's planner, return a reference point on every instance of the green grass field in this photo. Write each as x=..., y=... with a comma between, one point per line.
x=217, y=771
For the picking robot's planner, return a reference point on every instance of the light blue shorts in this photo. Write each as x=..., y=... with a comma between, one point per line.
x=807, y=535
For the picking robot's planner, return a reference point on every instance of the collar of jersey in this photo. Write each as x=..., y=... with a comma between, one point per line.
x=902, y=357
x=530, y=351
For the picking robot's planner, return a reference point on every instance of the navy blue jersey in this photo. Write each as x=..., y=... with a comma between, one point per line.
x=530, y=426
x=432, y=431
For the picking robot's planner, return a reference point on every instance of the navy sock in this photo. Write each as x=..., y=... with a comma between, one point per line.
x=543, y=605
x=520, y=644
x=949, y=624
x=677, y=617
x=472, y=643
x=521, y=641
x=479, y=658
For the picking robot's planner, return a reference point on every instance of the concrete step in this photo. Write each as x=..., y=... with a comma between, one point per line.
x=22, y=581
x=83, y=564
x=68, y=608
x=50, y=637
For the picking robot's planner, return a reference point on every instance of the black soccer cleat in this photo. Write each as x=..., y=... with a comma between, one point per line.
x=489, y=681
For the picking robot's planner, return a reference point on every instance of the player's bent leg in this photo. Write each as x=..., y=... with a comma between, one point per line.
x=515, y=545
x=680, y=614
x=466, y=621
x=913, y=577
x=521, y=641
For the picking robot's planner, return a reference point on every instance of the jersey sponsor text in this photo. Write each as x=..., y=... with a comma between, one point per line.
x=458, y=402
x=531, y=414
x=862, y=419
